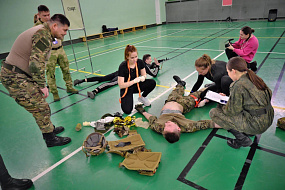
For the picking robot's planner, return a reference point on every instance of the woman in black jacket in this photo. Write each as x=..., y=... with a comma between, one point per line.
x=215, y=71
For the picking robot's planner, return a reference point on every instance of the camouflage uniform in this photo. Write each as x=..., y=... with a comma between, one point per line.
x=26, y=88
x=240, y=113
x=38, y=22
x=58, y=56
x=188, y=104
x=281, y=123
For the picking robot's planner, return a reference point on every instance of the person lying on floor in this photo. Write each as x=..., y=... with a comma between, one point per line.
x=171, y=121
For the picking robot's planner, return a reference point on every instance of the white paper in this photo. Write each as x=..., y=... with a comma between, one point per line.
x=217, y=97
x=73, y=12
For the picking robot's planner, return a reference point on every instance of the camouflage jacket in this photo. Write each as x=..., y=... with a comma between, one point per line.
x=245, y=96
x=38, y=22
x=30, y=52
x=40, y=53
x=54, y=45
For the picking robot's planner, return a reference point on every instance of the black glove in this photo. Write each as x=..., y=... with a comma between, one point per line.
x=139, y=108
x=118, y=114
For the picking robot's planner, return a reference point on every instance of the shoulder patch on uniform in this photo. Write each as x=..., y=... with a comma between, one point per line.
x=42, y=44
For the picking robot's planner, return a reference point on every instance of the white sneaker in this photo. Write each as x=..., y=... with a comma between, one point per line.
x=144, y=100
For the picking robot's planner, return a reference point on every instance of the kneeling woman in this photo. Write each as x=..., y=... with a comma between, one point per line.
x=132, y=79
x=249, y=110
x=215, y=71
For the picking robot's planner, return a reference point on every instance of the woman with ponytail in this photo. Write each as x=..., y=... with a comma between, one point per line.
x=248, y=110
x=132, y=79
x=246, y=47
x=215, y=71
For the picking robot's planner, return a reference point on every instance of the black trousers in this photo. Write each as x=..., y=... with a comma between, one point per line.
x=4, y=175
x=127, y=102
x=106, y=85
x=225, y=87
x=230, y=53
x=112, y=78
x=108, y=77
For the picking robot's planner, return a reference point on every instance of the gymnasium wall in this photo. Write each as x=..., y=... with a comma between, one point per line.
x=209, y=10
x=16, y=16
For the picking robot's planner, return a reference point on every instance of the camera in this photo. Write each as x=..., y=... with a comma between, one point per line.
x=162, y=60
x=228, y=42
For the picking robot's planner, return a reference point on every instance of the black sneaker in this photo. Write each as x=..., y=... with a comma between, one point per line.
x=77, y=81
x=91, y=95
x=179, y=81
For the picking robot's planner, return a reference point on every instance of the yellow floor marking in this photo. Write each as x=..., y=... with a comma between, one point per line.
x=276, y=107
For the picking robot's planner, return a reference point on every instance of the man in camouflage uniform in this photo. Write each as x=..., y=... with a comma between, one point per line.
x=23, y=74
x=58, y=56
x=171, y=122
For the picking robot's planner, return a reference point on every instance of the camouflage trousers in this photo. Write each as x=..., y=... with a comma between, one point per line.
x=242, y=122
x=28, y=95
x=188, y=102
x=58, y=57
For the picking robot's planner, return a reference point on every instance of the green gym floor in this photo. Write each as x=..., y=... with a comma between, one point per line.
x=200, y=160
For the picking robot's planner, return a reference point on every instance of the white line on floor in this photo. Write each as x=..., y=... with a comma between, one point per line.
x=124, y=47
x=151, y=47
x=117, y=42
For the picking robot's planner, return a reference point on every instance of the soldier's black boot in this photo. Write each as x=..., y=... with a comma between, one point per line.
x=77, y=81
x=179, y=81
x=58, y=130
x=9, y=183
x=241, y=139
x=52, y=140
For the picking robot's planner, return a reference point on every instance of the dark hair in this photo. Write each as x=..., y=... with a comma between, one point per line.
x=240, y=65
x=247, y=30
x=146, y=56
x=129, y=49
x=104, y=28
x=61, y=19
x=172, y=137
x=43, y=8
